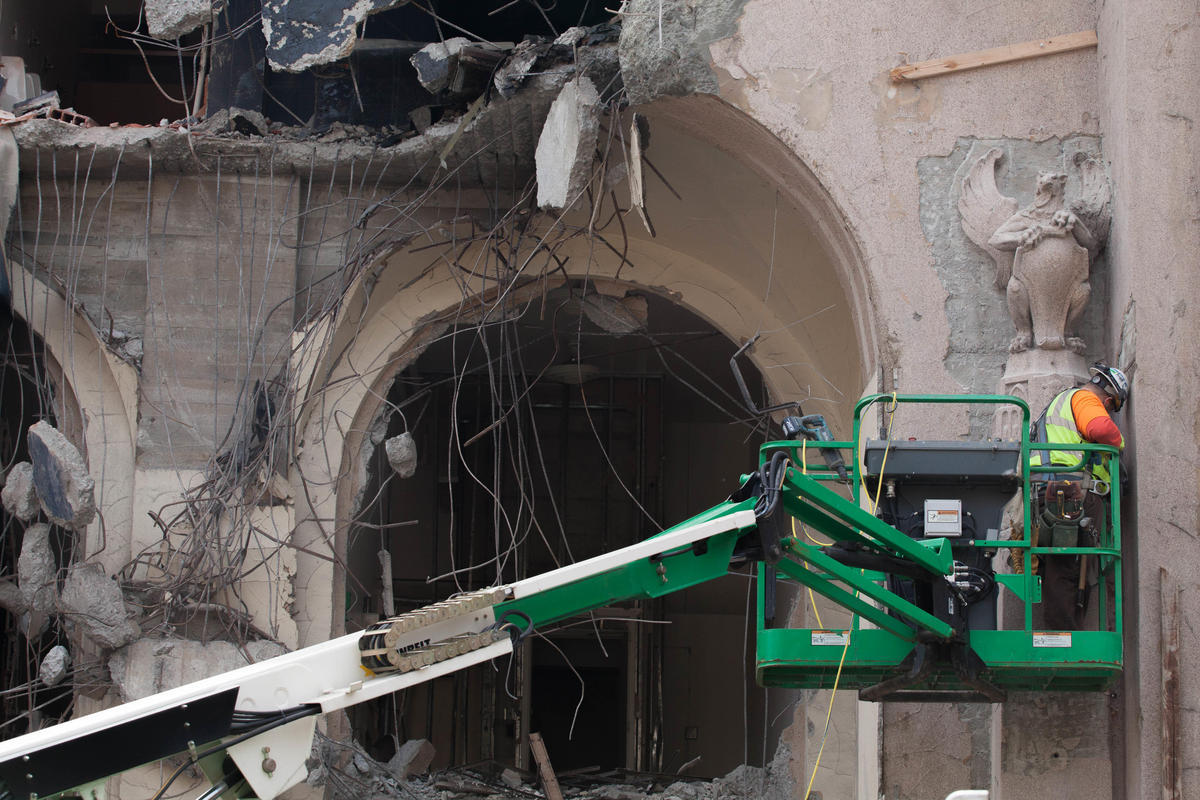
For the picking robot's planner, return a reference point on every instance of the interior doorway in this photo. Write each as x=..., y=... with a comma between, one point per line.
x=583, y=421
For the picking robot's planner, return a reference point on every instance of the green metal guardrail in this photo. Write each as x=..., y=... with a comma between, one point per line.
x=860, y=657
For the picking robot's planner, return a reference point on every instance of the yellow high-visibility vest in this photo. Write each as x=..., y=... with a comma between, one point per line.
x=1059, y=427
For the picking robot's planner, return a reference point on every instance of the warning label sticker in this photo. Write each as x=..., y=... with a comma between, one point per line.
x=833, y=638
x=1051, y=639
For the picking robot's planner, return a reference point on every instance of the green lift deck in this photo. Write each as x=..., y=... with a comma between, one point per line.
x=894, y=647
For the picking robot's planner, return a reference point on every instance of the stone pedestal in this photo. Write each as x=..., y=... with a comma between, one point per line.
x=1042, y=736
x=1035, y=376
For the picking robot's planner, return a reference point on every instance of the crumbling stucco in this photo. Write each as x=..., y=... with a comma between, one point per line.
x=664, y=46
x=150, y=665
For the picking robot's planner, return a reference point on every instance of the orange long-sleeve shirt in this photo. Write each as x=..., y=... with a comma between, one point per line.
x=1093, y=421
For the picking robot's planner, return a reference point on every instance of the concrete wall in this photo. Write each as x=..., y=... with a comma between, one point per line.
x=1149, y=56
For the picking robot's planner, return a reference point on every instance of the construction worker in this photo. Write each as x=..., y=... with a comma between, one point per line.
x=1077, y=415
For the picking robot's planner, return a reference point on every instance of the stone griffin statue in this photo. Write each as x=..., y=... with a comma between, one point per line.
x=1043, y=252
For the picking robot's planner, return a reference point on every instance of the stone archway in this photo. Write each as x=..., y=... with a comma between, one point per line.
x=100, y=391
x=747, y=240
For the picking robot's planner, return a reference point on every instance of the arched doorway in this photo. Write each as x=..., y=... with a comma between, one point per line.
x=747, y=243
x=581, y=422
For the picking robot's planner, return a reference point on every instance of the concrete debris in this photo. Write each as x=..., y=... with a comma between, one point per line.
x=54, y=666
x=571, y=36
x=236, y=120
x=11, y=599
x=413, y=758
x=620, y=316
x=155, y=665
x=60, y=477
x=436, y=62
x=671, y=58
x=45, y=100
x=18, y=496
x=511, y=74
x=37, y=575
x=567, y=146
x=170, y=19
x=94, y=604
x=304, y=33
x=402, y=454
x=492, y=781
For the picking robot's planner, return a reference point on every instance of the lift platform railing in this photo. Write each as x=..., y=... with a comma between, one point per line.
x=887, y=635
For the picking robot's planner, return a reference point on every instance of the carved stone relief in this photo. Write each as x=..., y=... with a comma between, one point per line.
x=1043, y=255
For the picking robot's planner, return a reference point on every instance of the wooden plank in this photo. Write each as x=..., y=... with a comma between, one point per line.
x=549, y=781
x=996, y=55
x=1172, y=767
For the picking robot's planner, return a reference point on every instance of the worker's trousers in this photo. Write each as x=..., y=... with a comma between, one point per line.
x=1061, y=605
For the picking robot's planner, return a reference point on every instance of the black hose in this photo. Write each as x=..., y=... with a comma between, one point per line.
x=299, y=713
x=771, y=474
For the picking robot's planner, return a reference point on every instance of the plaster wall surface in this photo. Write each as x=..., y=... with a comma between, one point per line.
x=1149, y=59
x=815, y=74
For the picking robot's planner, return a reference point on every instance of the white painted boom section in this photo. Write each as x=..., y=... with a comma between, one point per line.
x=671, y=540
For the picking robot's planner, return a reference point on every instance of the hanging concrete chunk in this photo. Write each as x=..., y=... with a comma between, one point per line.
x=54, y=666
x=566, y=149
x=303, y=33
x=170, y=19
x=18, y=496
x=436, y=62
x=60, y=477
x=621, y=316
x=402, y=454
x=93, y=602
x=37, y=577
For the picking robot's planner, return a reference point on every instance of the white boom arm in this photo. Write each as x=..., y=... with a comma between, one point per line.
x=273, y=704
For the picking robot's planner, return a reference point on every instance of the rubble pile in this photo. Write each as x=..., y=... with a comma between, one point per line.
x=349, y=773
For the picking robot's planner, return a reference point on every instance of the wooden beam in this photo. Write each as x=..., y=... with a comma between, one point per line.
x=1169, y=627
x=549, y=781
x=997, y=55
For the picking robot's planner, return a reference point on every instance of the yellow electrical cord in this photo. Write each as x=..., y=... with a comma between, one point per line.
x=804, y=470
x=891, y=412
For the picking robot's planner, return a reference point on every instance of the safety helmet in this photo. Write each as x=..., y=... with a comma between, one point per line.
x=1112, y=381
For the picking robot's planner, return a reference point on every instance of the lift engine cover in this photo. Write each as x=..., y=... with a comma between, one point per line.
x=943, y=517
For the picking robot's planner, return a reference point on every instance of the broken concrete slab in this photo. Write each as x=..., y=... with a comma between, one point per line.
x=37, y=575
x=621, y=316
x=148, y=666
x=436, y=62
x=94, y=604
x=304, y=33
x=665, y=46
x=54, y=666
x=18, y=496
x=236, y=120
x=60, y=477
x=567, y=146
x=512, y=73
x=413, y=758
x=402, y=454
x=170, y=19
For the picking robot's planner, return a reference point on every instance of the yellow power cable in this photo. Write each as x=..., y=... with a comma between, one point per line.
x=811, y=597
x=875, y=504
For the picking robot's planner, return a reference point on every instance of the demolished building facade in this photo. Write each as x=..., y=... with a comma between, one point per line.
x=399, y=300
